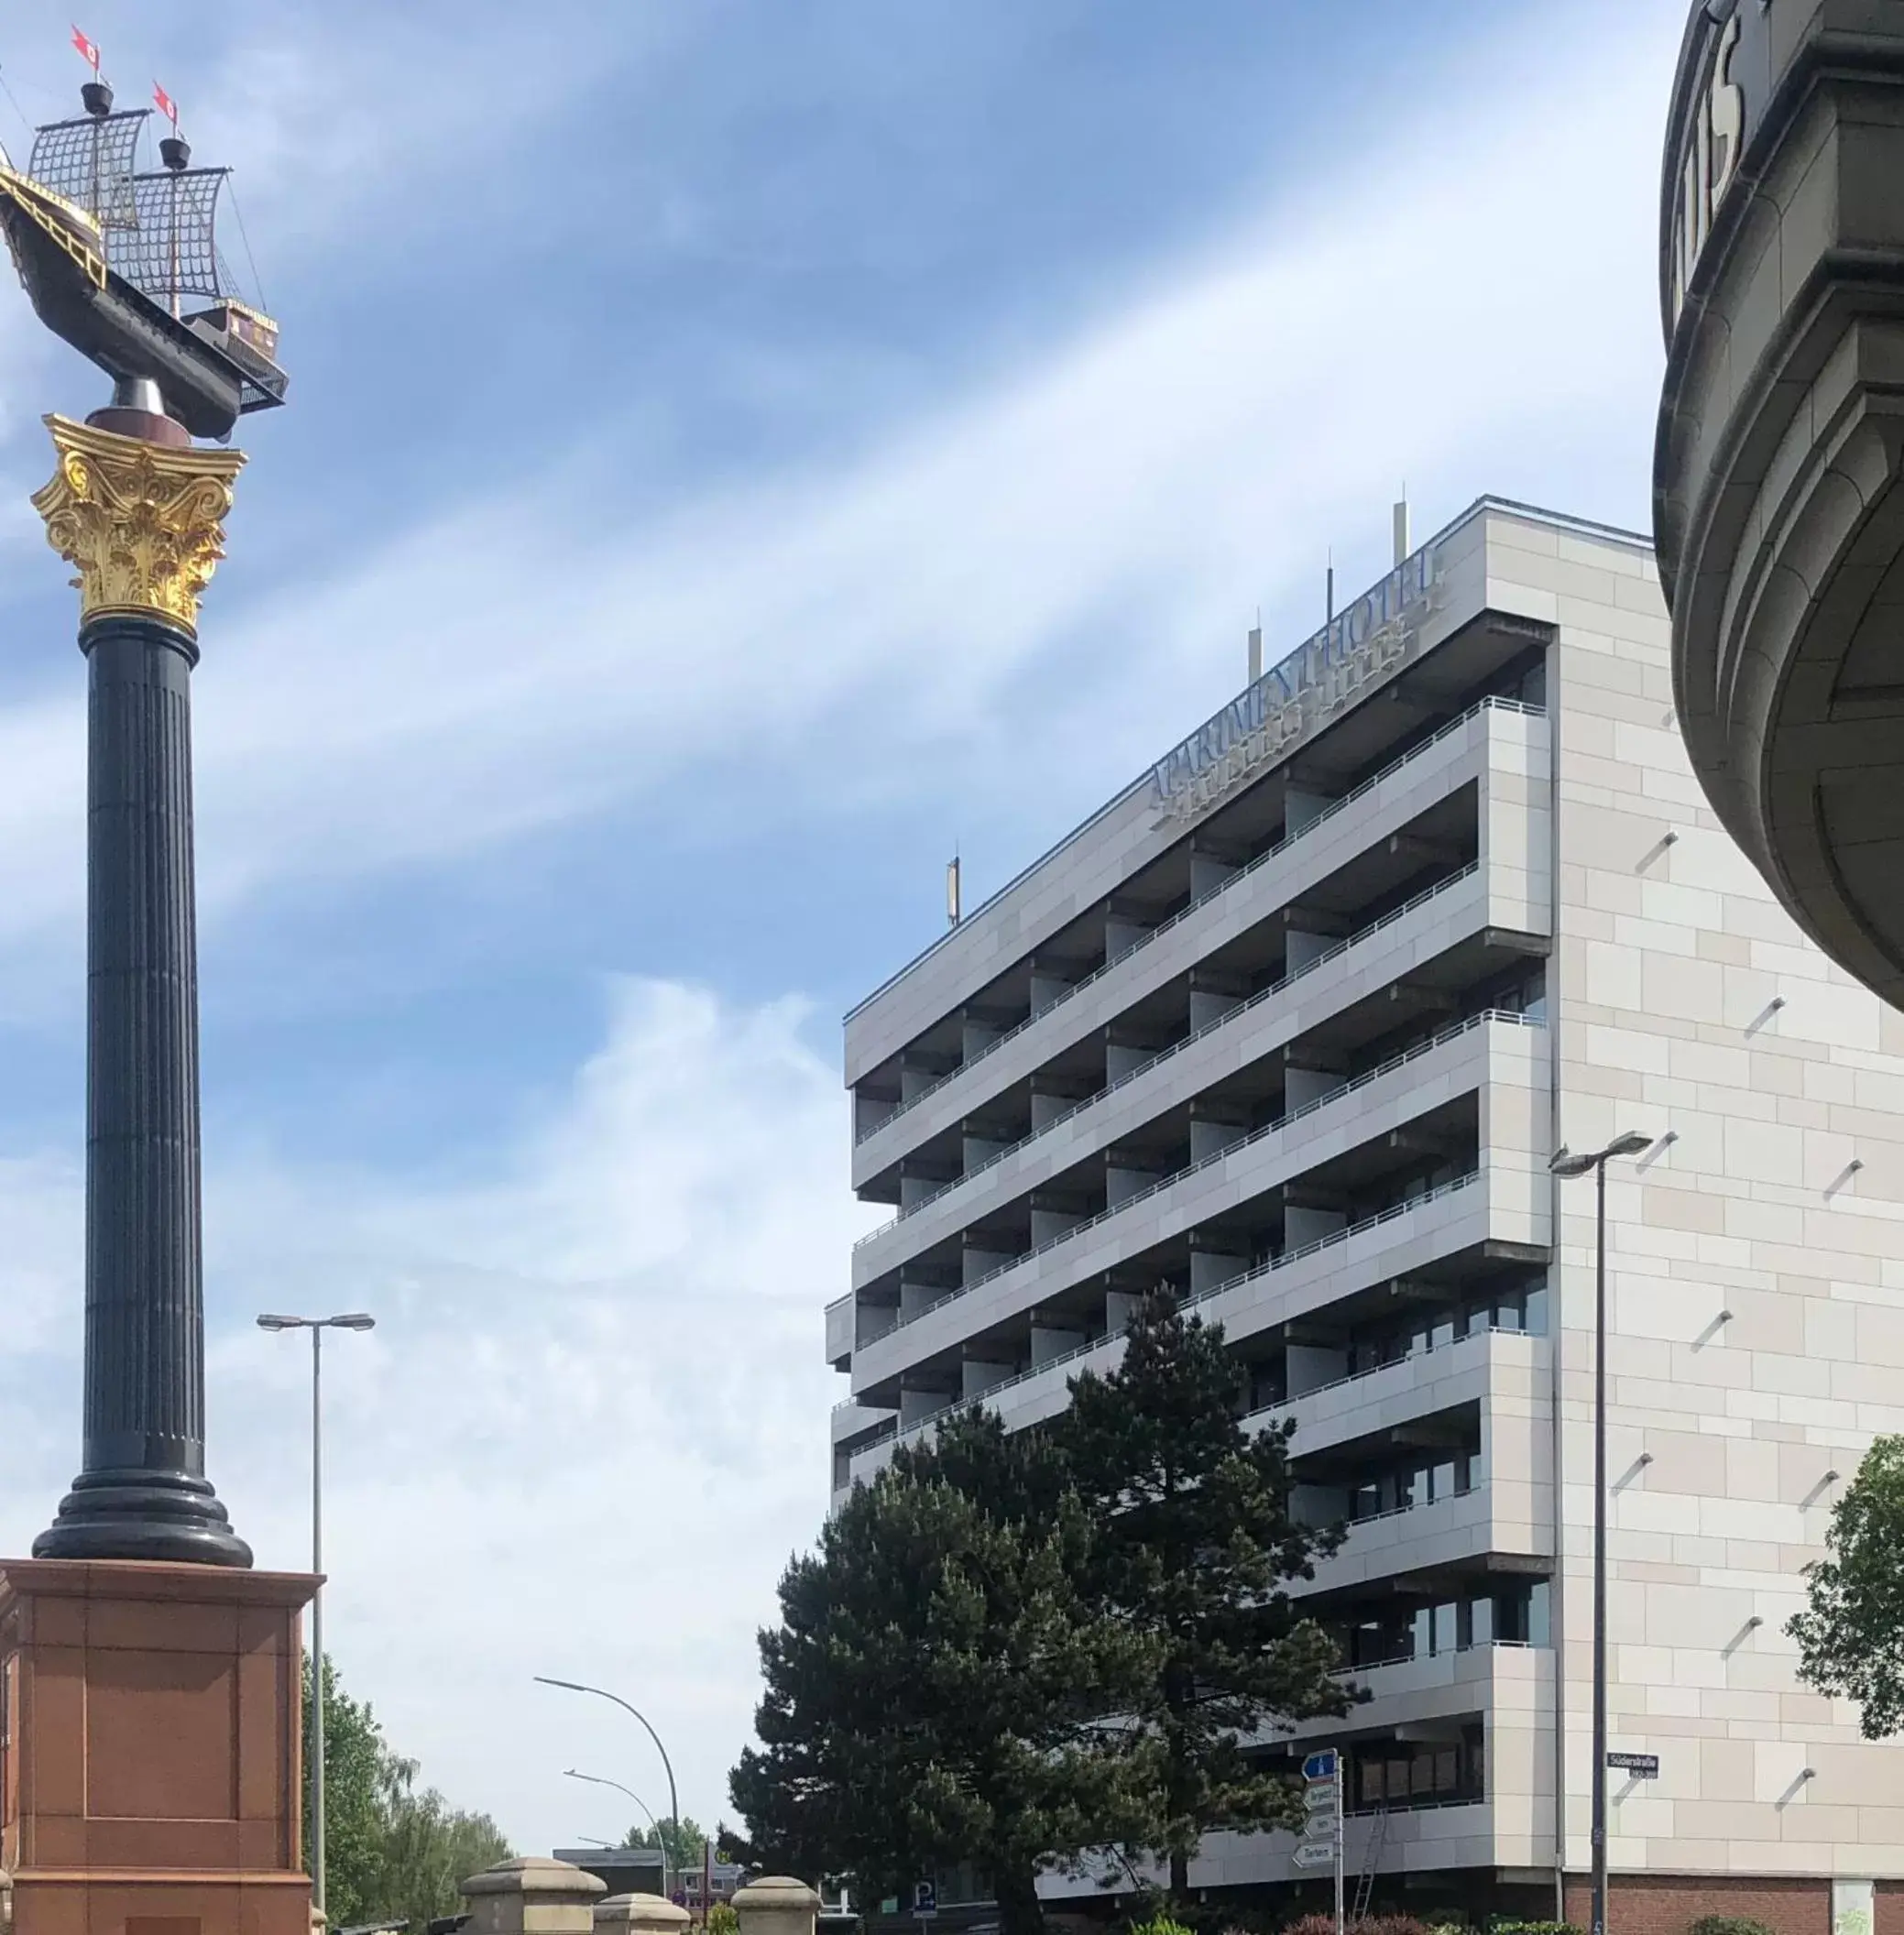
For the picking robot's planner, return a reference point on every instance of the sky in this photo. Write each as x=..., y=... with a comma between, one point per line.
x=739, y=452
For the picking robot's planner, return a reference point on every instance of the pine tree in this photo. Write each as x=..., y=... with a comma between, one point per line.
x=1194, y=1545
x=936, y=1687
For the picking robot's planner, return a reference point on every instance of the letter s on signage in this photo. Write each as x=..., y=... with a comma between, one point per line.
x=1710, y=160
x=1727, y=112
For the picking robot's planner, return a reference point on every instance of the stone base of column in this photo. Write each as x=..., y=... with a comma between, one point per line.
x=150, y=1748
x=143, y=1514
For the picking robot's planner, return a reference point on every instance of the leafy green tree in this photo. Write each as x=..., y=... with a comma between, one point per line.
x=937, y=1689
x=429, y=1849
x=356, y=1758
x=389, y=1850
x=1850, y=1634
x=684, y=1850
x=1194, y=1547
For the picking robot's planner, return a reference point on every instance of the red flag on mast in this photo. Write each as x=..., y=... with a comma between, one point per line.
x=88, y=51
x=167, y=105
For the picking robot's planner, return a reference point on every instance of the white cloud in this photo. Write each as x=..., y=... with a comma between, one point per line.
x=1469, y=311
x=586, y=1434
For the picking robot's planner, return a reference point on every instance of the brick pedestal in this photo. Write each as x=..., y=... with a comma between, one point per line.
x=150, y=1748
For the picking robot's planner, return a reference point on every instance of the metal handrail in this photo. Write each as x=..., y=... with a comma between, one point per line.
x=1415, y=1659
x=1202, y=1163
x=1355, y=1377
x=1163, y=927
x=1164, y=1055
x=1203, y=1296
x=1415, y=1807
x=1413, y=1505
x=1281, y=1406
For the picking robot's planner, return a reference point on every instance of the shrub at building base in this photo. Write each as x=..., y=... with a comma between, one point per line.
x=1368, y=1925
x=1728, y=1925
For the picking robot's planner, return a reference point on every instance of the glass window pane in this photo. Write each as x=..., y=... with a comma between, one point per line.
x=1538, y=1602
x=1446, y=1629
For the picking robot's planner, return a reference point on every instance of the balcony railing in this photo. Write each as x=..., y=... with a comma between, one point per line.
x=1415, y=1659
x=1202, y=900
x=1507, y=1015
x=1254, y=1275
x=1412, y=1805
x=1282, y=1121
x=1405, y=1357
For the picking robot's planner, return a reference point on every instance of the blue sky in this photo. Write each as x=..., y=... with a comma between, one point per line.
x=739, y=450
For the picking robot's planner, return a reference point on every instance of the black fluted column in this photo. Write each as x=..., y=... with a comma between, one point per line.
x=142, y=1492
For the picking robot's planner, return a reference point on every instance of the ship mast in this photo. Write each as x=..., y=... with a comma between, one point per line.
x=176, y=153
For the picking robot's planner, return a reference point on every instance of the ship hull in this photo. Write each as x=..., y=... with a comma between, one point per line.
x=111, y=322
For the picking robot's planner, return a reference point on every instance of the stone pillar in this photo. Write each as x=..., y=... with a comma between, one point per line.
x=141, y=516
x=640, y=1915
x=532, y=1896
x=776, y=1905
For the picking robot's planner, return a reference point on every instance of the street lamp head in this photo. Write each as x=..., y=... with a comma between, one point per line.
x=268, y=1322
x=352, y=1320
x=1568, y=1165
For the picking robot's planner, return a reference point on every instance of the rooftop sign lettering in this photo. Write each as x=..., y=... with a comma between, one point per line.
x=1359, y=649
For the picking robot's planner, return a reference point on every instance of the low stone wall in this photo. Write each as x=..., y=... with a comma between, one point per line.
x=1665, y=1903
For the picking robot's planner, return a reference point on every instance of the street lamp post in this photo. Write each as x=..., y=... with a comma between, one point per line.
x=317, y=1326
x=661, y=1839
x=575, y=1686
x=1568, y=1167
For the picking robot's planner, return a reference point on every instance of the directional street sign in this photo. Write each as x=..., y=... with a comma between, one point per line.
x=1320, y=1793
x=1315, y=1854
x=1320, y=1766
x=1321, y=1827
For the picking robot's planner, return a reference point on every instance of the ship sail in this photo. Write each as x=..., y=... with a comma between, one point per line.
x=89, y=162
x=167, y=249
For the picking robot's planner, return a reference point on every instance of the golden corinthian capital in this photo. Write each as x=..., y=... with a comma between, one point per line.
x=144, y=522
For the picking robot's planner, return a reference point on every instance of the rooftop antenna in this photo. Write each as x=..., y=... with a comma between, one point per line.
x=1329, y=590
x=954, y=912
x=1256, y=647
x=1402, y=546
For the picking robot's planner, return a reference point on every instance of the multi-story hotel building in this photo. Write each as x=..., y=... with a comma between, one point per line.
x=1296, y=1025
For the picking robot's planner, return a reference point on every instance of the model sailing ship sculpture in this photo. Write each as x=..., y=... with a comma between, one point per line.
x=109, y=251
